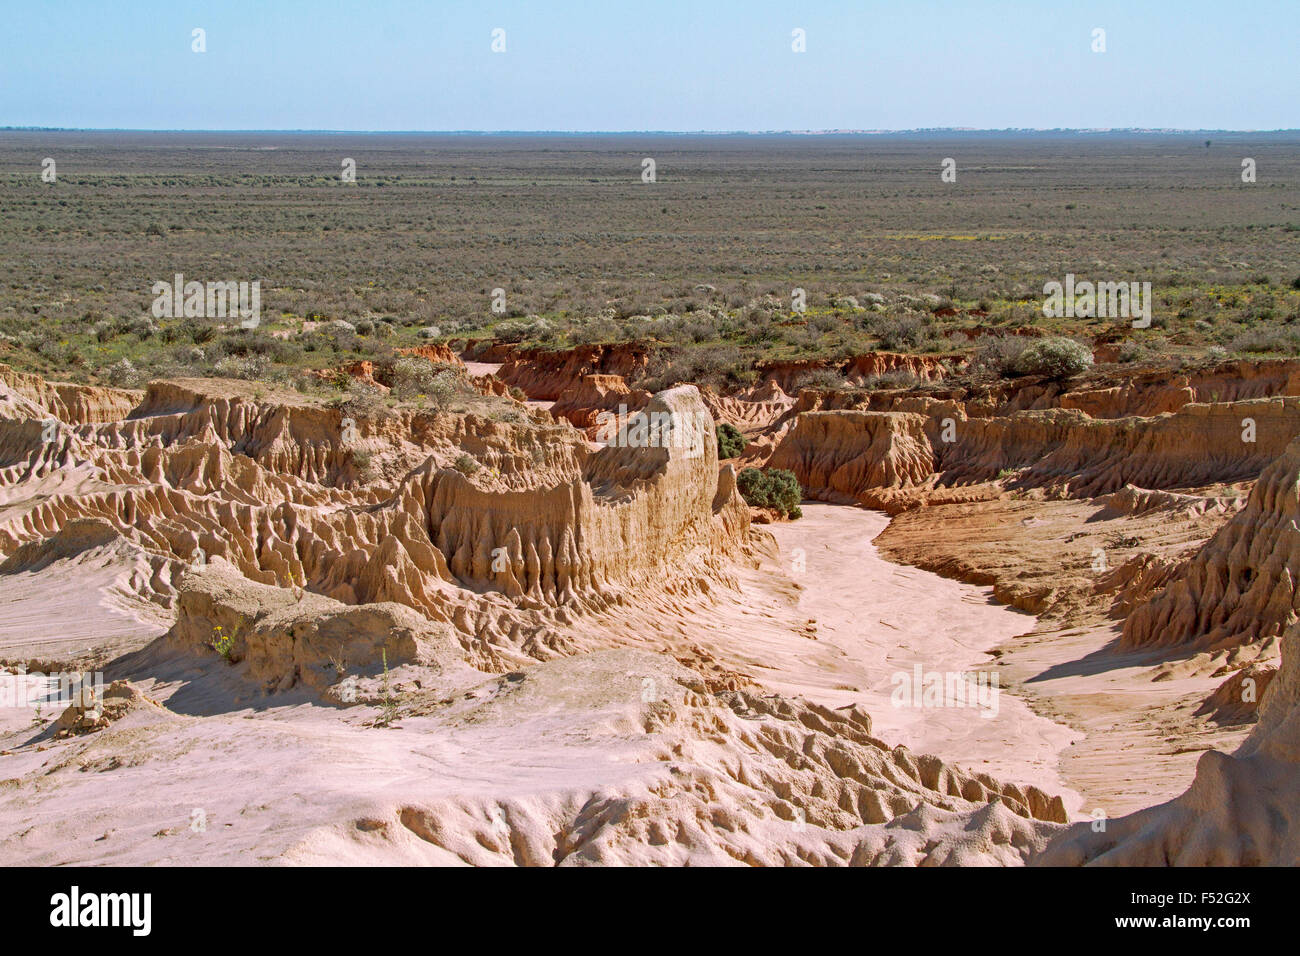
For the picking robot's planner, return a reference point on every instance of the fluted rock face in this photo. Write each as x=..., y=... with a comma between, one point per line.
x=843, y=454
x=582, y=404
x=73, y=404
x=1241, y=810
x=786, y=373
x=751, y=410
x=439, y=354
x=542, y=523
x=544, y=375
x=924, y=368
x=1240, y=587
x=1145, y=392
x=1085, y=457
x=837, y=445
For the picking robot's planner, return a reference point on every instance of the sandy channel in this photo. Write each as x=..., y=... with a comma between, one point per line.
x=876, y=622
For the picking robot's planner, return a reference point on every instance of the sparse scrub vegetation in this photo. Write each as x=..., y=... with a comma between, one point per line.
x=1056, y=358
x=998, y=354
x=360, y=401
x=731, y=443
x=718, y=300
x=824, y=379
x=901, y=333
x=777, y=489
x=1270, y=339
x=412, y=377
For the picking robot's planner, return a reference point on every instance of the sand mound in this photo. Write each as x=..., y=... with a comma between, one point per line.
x=1237, y=699
x=735, y=778
x=284, y=638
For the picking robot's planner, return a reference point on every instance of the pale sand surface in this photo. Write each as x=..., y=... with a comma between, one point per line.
x=82, y=609
x=289, y=780
x=875, y=619
x=1075, y=717
x=1140, y=740
x=287, y=783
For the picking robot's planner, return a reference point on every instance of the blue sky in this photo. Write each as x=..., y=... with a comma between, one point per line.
x=667, y=65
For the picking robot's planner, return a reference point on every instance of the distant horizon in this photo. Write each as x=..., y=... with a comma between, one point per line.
x=1145, y=130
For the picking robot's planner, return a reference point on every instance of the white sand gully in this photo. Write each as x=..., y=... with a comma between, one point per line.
x=875, y=620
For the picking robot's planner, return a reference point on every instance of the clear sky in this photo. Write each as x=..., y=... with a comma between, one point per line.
x=665, y=65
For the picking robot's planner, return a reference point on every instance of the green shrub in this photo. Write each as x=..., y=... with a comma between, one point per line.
x=1056, y=358
x=731, y=443
x=250, y=368
x=123, y=374
x=777, y=489
x=363, y=465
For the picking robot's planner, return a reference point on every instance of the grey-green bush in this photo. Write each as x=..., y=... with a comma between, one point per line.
x=777, y=489
x=1056, y=358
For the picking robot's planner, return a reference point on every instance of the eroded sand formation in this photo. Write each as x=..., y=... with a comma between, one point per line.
x=594, y=656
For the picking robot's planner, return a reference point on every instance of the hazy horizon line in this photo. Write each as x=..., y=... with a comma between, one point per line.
x=1092, y=130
